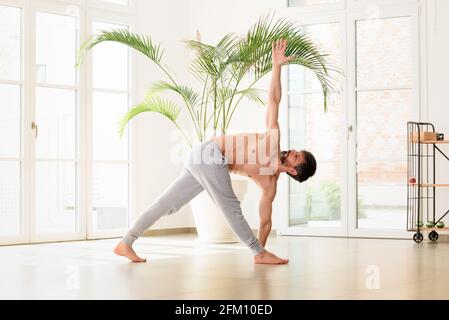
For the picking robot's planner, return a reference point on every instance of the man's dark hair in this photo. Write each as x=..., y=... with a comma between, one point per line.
x=306, y=169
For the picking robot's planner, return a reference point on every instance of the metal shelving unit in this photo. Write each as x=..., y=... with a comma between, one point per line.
x=422, y=183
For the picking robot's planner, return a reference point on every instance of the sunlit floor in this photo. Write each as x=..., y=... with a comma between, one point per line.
x=180, y=267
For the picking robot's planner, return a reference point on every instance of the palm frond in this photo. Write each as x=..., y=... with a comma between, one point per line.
x=253, y=94
x=155, y=104
x=224, y=94
x=188, y=94
x=253, y=54
x=141, y=43
x=212, y=60
x=204, y=62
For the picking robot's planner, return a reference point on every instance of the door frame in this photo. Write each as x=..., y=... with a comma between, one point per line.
x=24, y=159
x=347, y=18
x=79, y=234
x=114, y=18
x=354, y=16
x=305, y=18
x=87, y=10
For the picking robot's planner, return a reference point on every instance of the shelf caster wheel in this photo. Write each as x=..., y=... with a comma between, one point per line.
x=433, y=236
x=418, y=237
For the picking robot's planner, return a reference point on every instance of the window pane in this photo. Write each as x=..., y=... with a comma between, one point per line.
x=319, y=203
x=384, y=53
x=327, y=37
x=10, y=216
x=110, y=61
x=382, y=157
x=56, y=47
x=108, y=110
x=298, y=3
x=10, y=121
x=56, y=197
x=110, y=196
x=316, y=203
x=381, y=124
x=56, y=120
x=10, y=46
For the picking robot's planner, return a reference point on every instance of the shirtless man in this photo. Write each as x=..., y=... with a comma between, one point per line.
x=208, y=167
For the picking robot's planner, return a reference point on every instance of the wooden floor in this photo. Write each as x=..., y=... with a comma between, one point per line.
x=180, y=267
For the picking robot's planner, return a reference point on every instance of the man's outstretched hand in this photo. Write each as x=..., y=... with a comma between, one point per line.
x=278, y=53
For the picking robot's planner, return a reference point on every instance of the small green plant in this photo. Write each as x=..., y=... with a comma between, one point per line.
x=323, y=202
x=332, y=196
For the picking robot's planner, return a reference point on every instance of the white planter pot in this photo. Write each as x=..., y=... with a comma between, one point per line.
x=210, y=222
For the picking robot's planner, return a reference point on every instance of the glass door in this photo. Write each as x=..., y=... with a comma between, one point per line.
x=360, y=143
x=11, y=119
x=56, y=127
x=64, y=170
x=318, y=207
x=109, y=160
x=384, y=79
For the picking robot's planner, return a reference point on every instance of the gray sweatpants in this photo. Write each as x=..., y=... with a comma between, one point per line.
x=204, y=169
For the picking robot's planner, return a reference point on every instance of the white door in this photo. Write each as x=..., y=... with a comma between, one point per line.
x=12, y=118
x=64, y=171
x=319, y=206
x=109, y=154
x=360, y=143
x=54, y=96
x=383, y=90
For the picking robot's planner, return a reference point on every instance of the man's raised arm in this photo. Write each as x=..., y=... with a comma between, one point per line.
x=275, y=91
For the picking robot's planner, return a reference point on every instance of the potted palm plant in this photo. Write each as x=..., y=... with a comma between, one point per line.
x=226, y=73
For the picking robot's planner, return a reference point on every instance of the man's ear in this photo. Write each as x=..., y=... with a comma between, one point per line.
x=288, y=169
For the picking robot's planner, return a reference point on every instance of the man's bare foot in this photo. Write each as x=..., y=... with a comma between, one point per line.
x=269, y=258
x=123, y=250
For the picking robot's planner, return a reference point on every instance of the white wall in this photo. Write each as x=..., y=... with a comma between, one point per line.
x=165, y=22
x=438, y=85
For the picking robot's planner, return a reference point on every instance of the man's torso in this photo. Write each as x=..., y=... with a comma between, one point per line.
x=255, y=155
